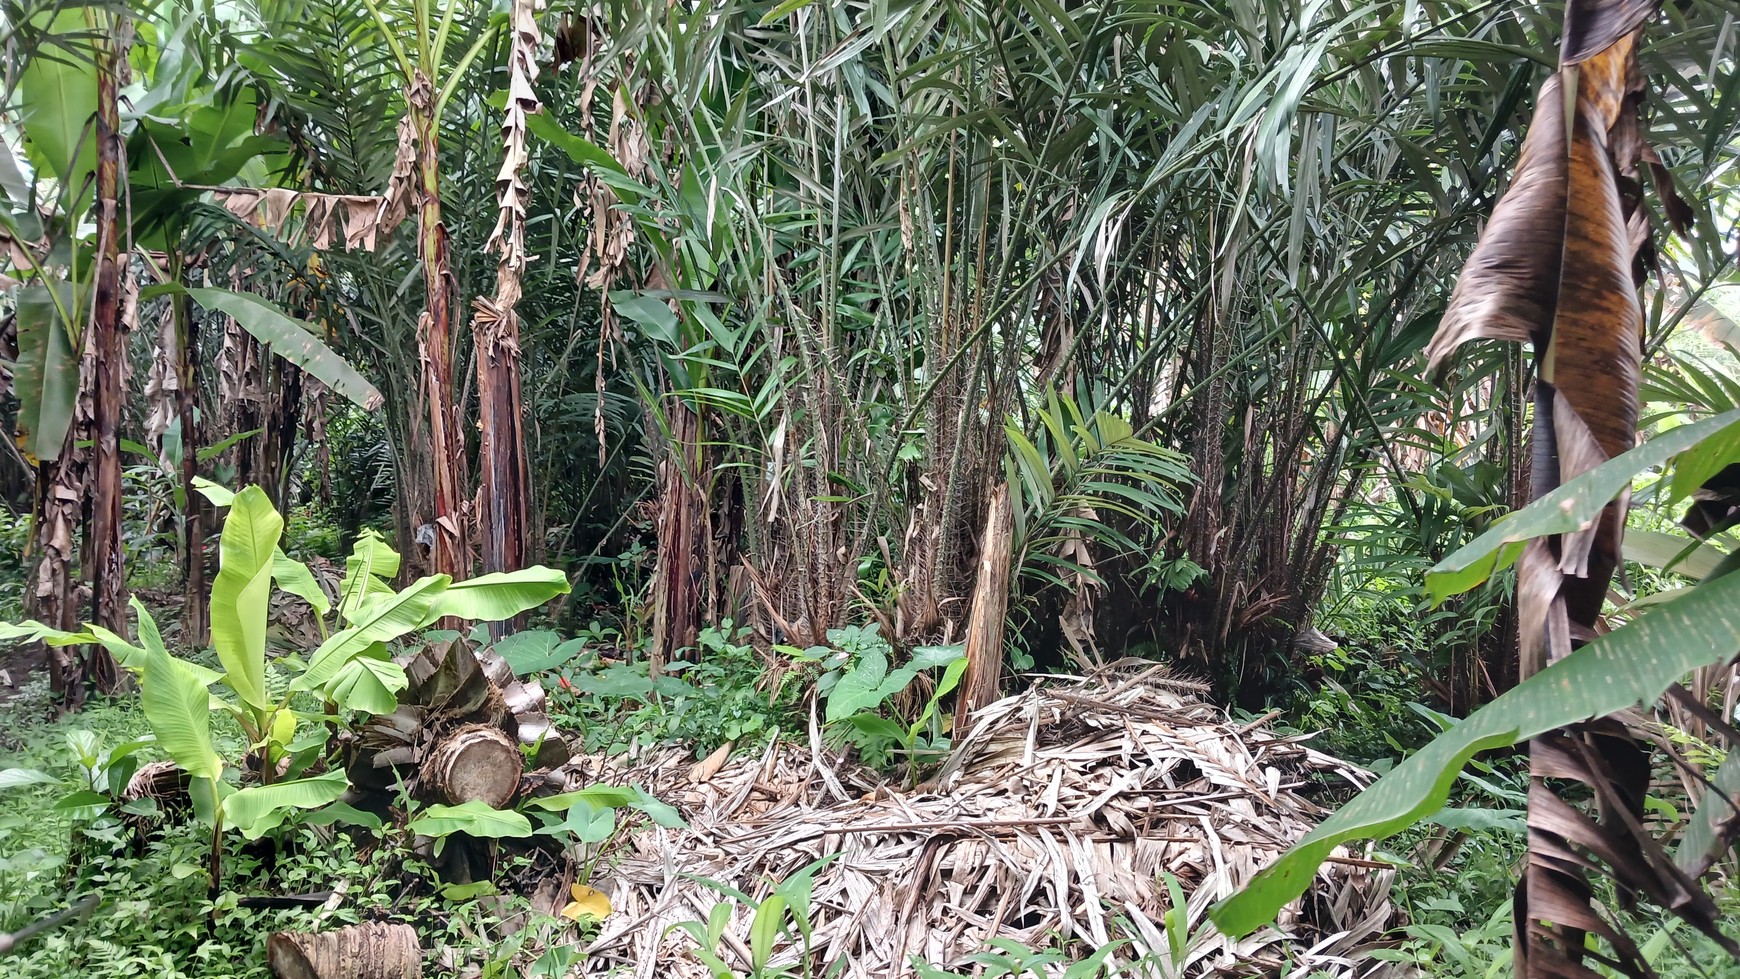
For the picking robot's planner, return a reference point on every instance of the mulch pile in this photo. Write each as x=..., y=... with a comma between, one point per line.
x=1059, y=820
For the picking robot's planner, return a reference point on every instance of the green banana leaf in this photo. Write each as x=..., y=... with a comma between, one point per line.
x=47, y=382
x=474, y=818
x=31, y=630
x=178, y=707
x=258, y=809
x=286, y=337
x=503, y=595
x=1625, y=668
x=294, y=342
x=1578, y=502
x=57, y=96
x=294, y=577
x=370, y=563
x=242, y=592
x=369, y=682
x=216, y=494
x=380, y=621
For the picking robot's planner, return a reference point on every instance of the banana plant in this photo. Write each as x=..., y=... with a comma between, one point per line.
x=88, y=179
x=352, y=667
x=422, y=55
x=351, y=670
x=1630, y=667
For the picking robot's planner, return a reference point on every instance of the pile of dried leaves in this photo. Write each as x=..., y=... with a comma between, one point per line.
x=1058, y=820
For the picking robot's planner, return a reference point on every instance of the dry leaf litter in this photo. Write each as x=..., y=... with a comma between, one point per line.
x=1056, y=818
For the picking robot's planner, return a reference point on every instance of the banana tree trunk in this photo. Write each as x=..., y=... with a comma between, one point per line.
x=60, y=488
x=496, y=327
x=281, y=417
x=193, y=622
x=451, y=548
x=372, y=950
x=242, y=392
x=108, y=574
x=501, y=447
x=316, y=410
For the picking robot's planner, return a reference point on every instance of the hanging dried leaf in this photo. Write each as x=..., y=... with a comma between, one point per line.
x=365, y=220
x=279, y=201
x=402, y=184
x=239, y=377
x=317, y=220
x=1592, y=26
x=513, y=195
x=612, y=231
x=243, y=202
x=573, y=41
x=1510, y=286
x=163, y=382
x=1560, y=265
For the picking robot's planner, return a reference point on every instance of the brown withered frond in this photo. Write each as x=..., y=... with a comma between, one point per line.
x=1560, y=265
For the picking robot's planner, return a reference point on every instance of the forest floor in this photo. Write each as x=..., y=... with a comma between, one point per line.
x=1072, y=821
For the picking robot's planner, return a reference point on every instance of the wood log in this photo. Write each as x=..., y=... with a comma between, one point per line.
x=476, y=762
x=983, y=681
x=373, y=950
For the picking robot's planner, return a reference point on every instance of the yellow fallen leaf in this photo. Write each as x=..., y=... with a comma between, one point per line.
x=588, y=904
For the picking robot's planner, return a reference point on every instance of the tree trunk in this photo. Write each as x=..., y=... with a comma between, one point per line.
x=281, y=416
x=194, y=621
x=59, y=490
x=62, y=495
x=984, y=678
x=476, y=763
x=681, y=530
x=414, y=499
x=451, y=550
x=108, y=573
x=316, y=409
x=501, y=447
x=496, y=328
x=374, y=950
x=242, y=393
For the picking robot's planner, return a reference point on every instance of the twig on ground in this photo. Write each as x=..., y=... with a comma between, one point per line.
x=83, y=906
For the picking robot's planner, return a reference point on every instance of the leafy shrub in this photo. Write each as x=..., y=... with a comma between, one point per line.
x=1362, y=703
x=312, y=532
x=862, y=694
x=613, y=705
x=14, y=568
